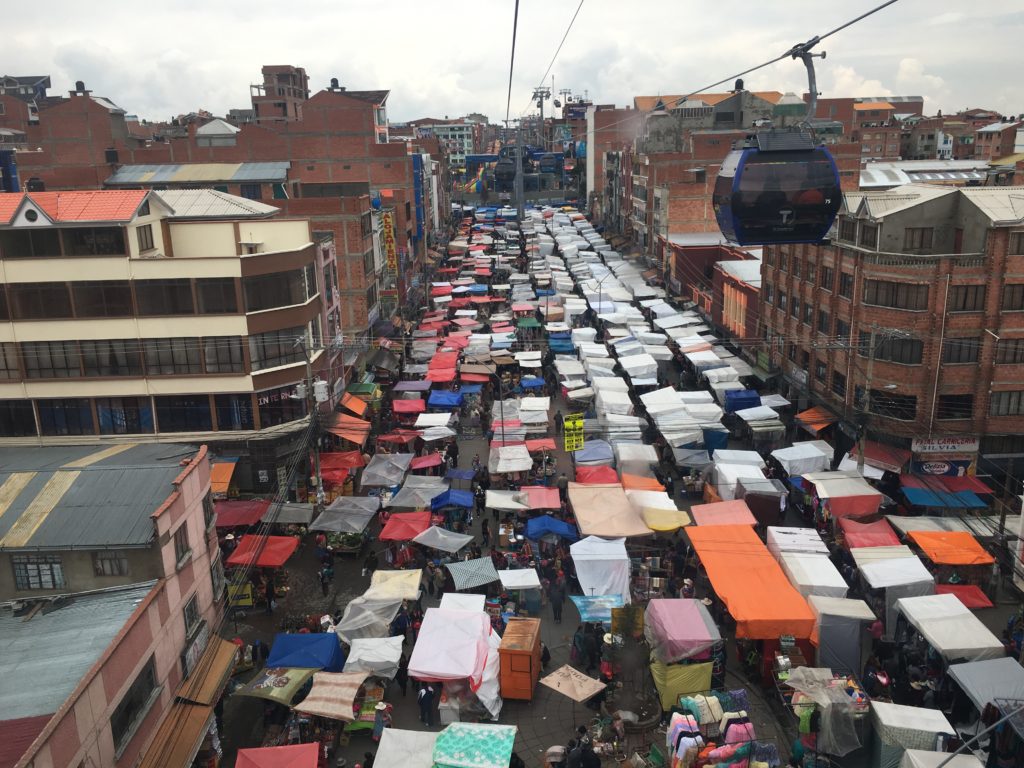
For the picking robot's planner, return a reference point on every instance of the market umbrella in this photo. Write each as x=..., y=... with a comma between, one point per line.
x=289, y=756
x=570, y=682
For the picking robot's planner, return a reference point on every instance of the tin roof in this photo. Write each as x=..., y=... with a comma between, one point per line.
x=84, y=497
x=193, y=173
x=211, y=204
x=43, y=659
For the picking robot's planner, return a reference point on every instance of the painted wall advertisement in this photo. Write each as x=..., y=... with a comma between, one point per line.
x=387, y=238
x=956, y=456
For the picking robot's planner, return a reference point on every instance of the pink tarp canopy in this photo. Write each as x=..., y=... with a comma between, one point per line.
x=290, y=756
x=423, y=462
x=540, y=497
x=541, y=444
x=477, y=378
x=520, y=307
x=679, y=629
x=408, y=406
x=877, y=534
x=734, y=512
x=444, y=360
x=405, y=526
x=440, y=375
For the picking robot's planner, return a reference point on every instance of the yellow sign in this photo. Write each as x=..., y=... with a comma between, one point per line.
x=573, y=426
x=387, y=241
x=241, y=595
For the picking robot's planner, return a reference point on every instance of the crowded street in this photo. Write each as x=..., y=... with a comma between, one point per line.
x=556, y=502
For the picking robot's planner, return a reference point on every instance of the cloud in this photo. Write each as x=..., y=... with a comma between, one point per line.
x=950, y=17
x=846, y=81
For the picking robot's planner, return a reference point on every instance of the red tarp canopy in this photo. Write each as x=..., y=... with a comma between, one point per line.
x=400, y=436
x=291, y=756
x=233, y=513
x=333, y=476
x=541, y=444
x=877, y=534
x=883, y=456
x=408, y=406
x=405, y=526
x=456, y=342
x=440, y=290
x=460, y=303
x=274, y=553
x=342, y=460
x=968, y=594
x=478, y=378
x=541, y=497
x=519, y=307
x=435, y=325
x=441, y=375
x=349, y=428
x=596, y=475
x=482, y=272
x=462, y=322
x=443, y=360
x=422, y=462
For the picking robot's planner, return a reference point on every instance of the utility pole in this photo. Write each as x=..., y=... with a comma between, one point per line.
x=315, y=393
x=518, y=183
x=540, y=94
x=867, y=400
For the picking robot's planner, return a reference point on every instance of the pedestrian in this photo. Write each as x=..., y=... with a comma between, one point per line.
x=453, y=453
x=563, y=487
x=367, y=760
x=485, y=532
x=476, y=462
x=400, y=624
x=321, y=545
x=578, y=651
x=439, y=579
x=591, y=650
x=556, y=595
x=402, y=675
x=425, y=698
x=370, y=564
x=480, y=496
x=271, y=596
x=429, y=576
x=325, y=581
x=559, y=422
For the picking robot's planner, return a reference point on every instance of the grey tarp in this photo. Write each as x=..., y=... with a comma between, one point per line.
x=385, y=469
x=287, y=514
x=442, y=539
x=840, y=624
x=473, y=573
x=988, y=680
x=347, y=514
x=417, y=491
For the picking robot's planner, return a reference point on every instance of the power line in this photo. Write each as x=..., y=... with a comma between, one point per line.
x=512, y=62
x=557, y=50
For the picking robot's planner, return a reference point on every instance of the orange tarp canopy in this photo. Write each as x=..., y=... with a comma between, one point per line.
x=350, y=428
x=951, y=547
x=341, y=460
x=220, y=476
x=816, y=419
x=353, y=403
x=750, y=582
x=640, y=483
x=735, y=512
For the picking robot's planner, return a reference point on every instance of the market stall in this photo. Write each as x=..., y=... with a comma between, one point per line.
x=288, y=756
x=468, y=574
x=474, y=745
x=376, y=656
x=802, y=458
x=812, y=574
x=442, y=539
x=682, y=636
x=950, y=628
x=844, y=494
x=307, y=651
x=345, y=520
x=839, y=629
x=735, y=512
x=334, y=695
x=876, y=534
x=407, y=749
x=602, y=566
x=899, y=728
x=605, y=510
x=892, y=579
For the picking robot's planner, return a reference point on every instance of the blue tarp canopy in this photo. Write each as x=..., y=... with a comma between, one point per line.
x=924, y=497
x=597, y=607
x=478, y=288
x=593, y=451
x=738, y=399
x=561, y=346
x=312, y=651
x=560, y=335
x=460, y=474
x=715, y=439
x=471, y=389
x=546, y=291
x=538, y=526
x=531, y=382
x=452, y=498
x=442, y=399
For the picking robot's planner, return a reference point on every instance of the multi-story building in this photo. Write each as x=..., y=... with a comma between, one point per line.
x=113, y=590
x=457, y=137
x=151, y=315
x=279, y=98
x=912, y=320
x=994, y=141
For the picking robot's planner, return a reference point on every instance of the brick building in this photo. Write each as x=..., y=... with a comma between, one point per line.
x=994, y=141
x=927, y=279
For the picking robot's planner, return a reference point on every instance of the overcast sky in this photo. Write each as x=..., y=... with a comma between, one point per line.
x=445, y=58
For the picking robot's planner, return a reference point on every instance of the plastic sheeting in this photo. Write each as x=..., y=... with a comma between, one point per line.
x=442, y=539
x=510, y=458
x=605, y=510
x=394, y=585
x=386, y=469
x=838, y=733
x=416, y=492
x=367, y=618
x=839, y=623
x=523, y=578
x=679, y=629
x=506, y=501
x=950, y=628
x=312, y=651
x=404, y=526
x=545, y=525
x=472, y=573
x=346, y=518
x=593, y=453
x=602, y=566
x=635, y=452
x=473, y=745
x=452, y=645
x=408, y=749
x=375, y=656
x=596, y=608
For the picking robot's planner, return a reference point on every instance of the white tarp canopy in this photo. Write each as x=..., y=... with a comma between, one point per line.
x=394, y=585
x=643, y=453
x=726, y=373
x=512, y=458
x=535, y=404
x=783, y=539
x=988, y=680
x=408, y=749
x=950, y=627
x=430, y=434
x=610, y=401
x=347, y=514
x=452, y=645
x=898, y=724
x=864, y=555
x=386, y=469
x=919, y=758
x=433, y=420
x=442, y=539
x=506, y=501
x=899, y=576
x=523, y=578
x=730, y=456
x=641, y=366
x=375, y=655
x=813, y=574
x=606, y=383
x=759, y=413
x=801, y=458
x=602, y=566
x=846, y=607
x=459, y=601
x=367, y=618
x=727, y=475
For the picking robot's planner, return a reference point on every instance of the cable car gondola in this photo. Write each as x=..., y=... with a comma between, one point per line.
x=779, y=187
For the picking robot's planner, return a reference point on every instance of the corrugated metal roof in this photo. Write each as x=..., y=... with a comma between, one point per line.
x=1002, y=205
x=997, y=127
x=745, y=271
x=217, y=127
x=84, y=497
x=186, y=173
x=696, y=238
x=42, y=660
x=210, y=204
x=873, y=105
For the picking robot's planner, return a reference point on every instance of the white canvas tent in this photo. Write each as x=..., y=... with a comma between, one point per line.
x=408, y=749
x=801, y=458
x=812, y=574
x=950, y=627
x=602, y=566
x=452, y=645
x=899, y=577
x=727, y=475
x=899, y=727
x=784, y=539
x=375, y=655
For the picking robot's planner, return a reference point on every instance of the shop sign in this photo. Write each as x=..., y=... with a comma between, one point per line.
x=957, y=465
x=573, y=431
x=194, y=650
x=387, y=239
x=945, y=445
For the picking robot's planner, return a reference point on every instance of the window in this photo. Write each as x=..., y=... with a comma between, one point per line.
x=9, y=369
x=278, y=289
x=805, y=359
x=234, y=412
x=28, y=243
x=145, y=236
x=955, y=407
x=366, y=225
x=124, y=415
x=791, y=352
x=893, y=406
x=94, y=241
x=209, y=511
x=144, y=208
x=181, y=545
x=223, y=354
x=824, y=322
x=812, y=272
x=1016, y=244
x=903, y=351
x=133, y=708
x=795, y=267
x=848, y=230
x=917, y=239
x=102, y=299
x=112, y=357
x=190, y=613
x=966, y=298
x=17, y=418
x=38, y=572
x=368, y=263
x=869, y=233
x=51, y=360
x=808, y=313
x=371, y=297
x=183, y=413
x=277, y=407
x=39, y=301
x=1006, y=403
x=896, y=295
x=310, y=273
x=1013, y=297
x=839, y=384
x=1009, y=351
x=963, y=350
x=769, y=255
x=274, y=348
x=794, y=307
x=842, y=330
x=164, y=297
x=175, y=356
x=827, y=278
x=250, y=191
x=782, y=301
x=109, y=563
x=66, y=417
x=783, y=262
x=820, y=370
x=846, y=285
x=216, y=296
x=217, y=578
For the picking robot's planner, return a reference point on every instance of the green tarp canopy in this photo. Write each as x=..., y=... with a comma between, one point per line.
x=528, y=322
